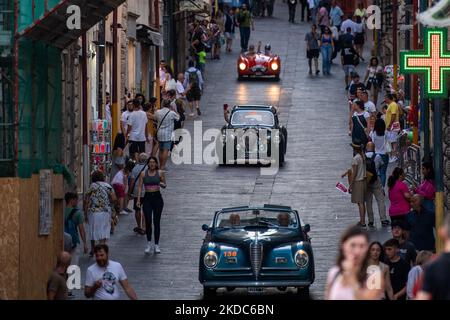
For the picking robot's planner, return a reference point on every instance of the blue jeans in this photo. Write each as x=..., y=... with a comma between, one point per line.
x=383, y=169
x=245, y=37
x=326, y=50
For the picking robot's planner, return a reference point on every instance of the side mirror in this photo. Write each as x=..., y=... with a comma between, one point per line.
x=205, y=227
x=306, y=228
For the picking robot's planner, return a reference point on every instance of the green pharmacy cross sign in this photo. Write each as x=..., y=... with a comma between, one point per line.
x=433, y=62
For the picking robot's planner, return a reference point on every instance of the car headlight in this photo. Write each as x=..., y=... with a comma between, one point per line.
x=276, y=138
x=210, y=259
x=242, y=66
x=274, y=66
x=301, y=258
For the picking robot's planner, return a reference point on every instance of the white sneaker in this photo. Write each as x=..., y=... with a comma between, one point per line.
x=123, y=212
x=157, y=249
x=147, y=249
x=191, y=114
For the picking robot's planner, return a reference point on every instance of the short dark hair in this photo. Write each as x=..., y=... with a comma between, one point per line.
x=97, y=176
x=391, y=243
x=191, y=64
x=390, y=96
x=107, y=93
x=136, y=103
x=359, y=103
x=100, y=247
x=172, y=93
x=152, y=100
x=70, y=196
x=349, y=29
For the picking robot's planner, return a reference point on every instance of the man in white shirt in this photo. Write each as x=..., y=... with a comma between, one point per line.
x=165, y=118
x=369, y=106
x=103, y=277
x=180, y=87
x=124, y=117
x=348, y=23
x=137, y=132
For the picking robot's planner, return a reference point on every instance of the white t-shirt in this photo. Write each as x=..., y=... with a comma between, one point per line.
x=124, y=119
x=110, y=276
x=118, y=178
x=137, y=120
x=358, y=27
x=369, y=106
x=180, y=90
x=379, y=142
x=108, y=112
x=348, y=24
x=364, y=113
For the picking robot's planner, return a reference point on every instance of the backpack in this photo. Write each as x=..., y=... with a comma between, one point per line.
x=193, y=78
x=370, y=167
x=71, y=228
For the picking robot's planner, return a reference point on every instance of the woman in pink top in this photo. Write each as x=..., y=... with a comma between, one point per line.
x=399, y=195
x=348, y=279
x=427, y=189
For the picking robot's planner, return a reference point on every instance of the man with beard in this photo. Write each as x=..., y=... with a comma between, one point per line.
x=102, y=277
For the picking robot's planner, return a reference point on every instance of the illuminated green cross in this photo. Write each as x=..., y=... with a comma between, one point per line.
x=434, y=62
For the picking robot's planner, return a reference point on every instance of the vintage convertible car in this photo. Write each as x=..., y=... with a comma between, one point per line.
x=253, y=135
x=254, y=248
x=258, y=65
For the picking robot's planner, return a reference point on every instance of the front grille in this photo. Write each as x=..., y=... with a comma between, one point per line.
x=256, y=255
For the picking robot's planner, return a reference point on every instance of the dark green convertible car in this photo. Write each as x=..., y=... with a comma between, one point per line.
x=256, y=248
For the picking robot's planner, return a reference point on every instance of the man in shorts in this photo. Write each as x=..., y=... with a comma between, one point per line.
x=348, y=57
x=312, y=48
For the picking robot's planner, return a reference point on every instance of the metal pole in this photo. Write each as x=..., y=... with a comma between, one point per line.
x=426, y=128
x=115, y=89
x=157, y=88
x=414, y=92
x=394, y=42
x=16, y=86
x=438, y=169
x=84, y=104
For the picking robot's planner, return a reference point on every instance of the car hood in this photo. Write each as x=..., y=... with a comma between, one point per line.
x=243, y=237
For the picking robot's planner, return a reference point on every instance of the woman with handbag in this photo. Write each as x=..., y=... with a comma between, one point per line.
x=358, y=123
x=382, y=147
x=374, y=79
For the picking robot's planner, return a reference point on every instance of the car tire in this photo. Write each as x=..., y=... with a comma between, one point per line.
x=209, y=293
x=303, y=293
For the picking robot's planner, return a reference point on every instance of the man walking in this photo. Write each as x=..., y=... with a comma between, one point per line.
x=244, y=21
x=312, y=49
x=292, y=4
x=165, y=117
x=57, y=282
x=305, y=10
x=374, y=188
x=103, y=277
x=348, y=57
x=422, y=224
x=137, y=132
x=193, y=82
x=74, y=221
x=336, y=15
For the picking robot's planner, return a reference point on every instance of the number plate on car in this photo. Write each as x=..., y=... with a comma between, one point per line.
x=255, y=290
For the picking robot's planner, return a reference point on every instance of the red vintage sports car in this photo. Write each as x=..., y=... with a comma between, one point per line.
x=258, y=64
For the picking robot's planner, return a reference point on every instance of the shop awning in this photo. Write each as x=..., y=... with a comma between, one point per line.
x=148, y=36
x=51, y=27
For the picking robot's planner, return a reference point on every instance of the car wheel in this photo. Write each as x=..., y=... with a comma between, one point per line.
x=209, y=292
x=303, y=293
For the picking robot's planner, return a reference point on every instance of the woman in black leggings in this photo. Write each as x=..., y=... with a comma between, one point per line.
x=152, y=179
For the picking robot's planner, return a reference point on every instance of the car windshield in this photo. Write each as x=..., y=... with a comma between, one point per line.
x=252, y=118
x=256, y=218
